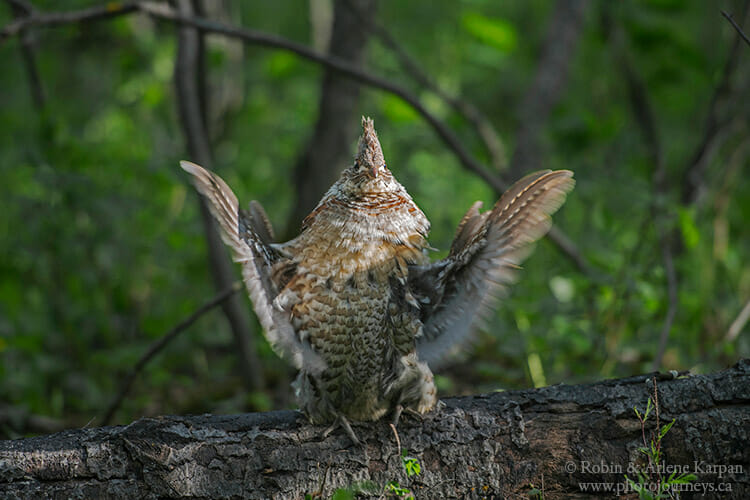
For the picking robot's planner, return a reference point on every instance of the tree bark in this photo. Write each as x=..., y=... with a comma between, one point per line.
x=558, y=439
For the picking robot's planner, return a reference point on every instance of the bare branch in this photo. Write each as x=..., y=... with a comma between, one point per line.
x=571, y=251
x=160, y=344
x=99, y=12
x=163, y=11
x=736, y=26
x=272, y=41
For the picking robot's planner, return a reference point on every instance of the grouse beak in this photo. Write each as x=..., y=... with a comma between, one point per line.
x=374, y=169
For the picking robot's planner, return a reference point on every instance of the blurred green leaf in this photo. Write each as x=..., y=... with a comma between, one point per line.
x=281, y=64
x=495, y=32
x=397, y=111
x=690, y=233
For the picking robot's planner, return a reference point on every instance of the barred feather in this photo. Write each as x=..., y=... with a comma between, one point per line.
x=483, y=261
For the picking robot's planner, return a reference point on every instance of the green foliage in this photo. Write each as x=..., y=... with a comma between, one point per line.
x=497, y=33
x=103, y=250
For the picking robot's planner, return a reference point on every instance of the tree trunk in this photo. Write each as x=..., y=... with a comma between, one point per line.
x=546, y=88
x=190, y=83
x=330, y=148
x=560, y=439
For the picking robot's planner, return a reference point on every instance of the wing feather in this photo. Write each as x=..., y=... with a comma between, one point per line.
x=456, y=292
x=248, y=234
x=260, y=222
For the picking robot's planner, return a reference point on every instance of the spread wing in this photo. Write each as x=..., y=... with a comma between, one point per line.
x=249, y=234
x=483, y=261
x=256, y=218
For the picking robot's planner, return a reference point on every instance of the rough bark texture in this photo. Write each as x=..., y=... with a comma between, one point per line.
x=492, y=446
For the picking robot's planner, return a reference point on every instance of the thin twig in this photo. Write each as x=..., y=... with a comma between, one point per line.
x=738, y=324
x=99, y=12
x=736, y=26
x=693, y=177
x=657, y=435
x=398, y=440
x=157, y=346
x=571, y=251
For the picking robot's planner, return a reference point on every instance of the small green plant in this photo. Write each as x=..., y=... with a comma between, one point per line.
x=651, y=484
x=412, y=468
x=392, y=488
x=411, y=464
x=536, y=493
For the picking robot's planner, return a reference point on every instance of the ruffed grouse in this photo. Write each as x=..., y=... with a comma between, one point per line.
x=354, y=301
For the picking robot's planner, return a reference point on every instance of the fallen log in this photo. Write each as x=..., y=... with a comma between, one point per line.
x=560, y=441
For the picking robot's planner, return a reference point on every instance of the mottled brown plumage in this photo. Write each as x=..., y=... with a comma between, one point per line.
x=354, y=302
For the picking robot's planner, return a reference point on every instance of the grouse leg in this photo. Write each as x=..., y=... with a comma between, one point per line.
x=399, y=410
x=341, y=421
